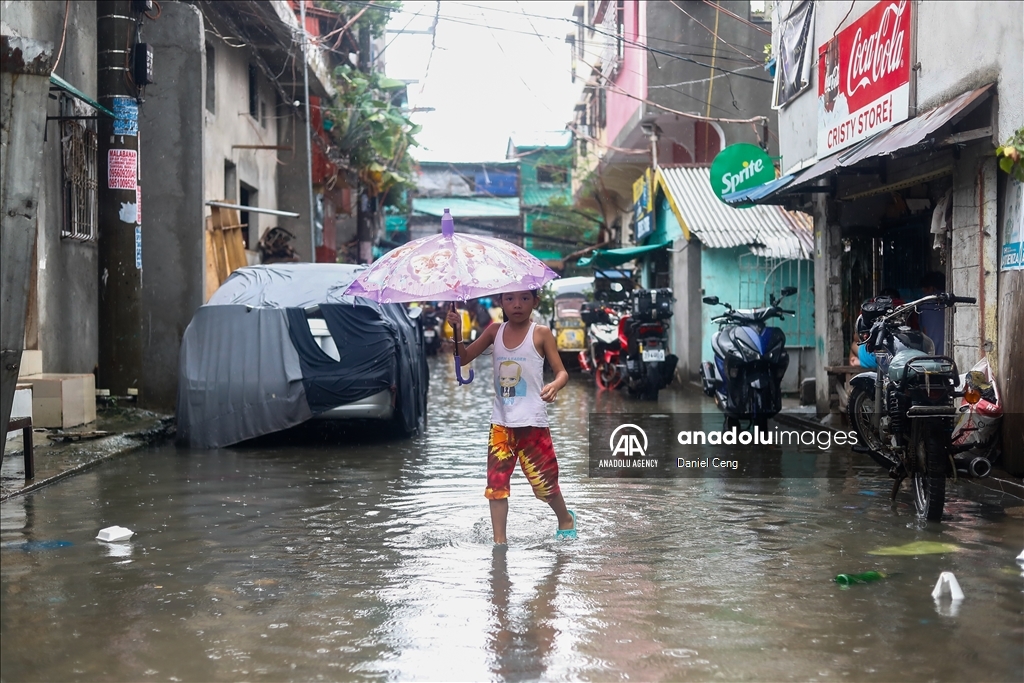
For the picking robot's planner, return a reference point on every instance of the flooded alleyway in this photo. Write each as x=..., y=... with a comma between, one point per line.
x=342, y=554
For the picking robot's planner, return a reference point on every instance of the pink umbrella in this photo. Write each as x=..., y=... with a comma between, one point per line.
x=450, y=267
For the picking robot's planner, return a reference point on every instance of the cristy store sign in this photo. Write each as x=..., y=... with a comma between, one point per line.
x=864, y=77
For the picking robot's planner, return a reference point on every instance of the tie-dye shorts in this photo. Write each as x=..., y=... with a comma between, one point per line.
x=532, y=447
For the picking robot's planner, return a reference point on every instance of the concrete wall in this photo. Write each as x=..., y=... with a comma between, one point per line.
x=293, y=179
x=687, y=333
x=631, y=78
x=989, y=46
x=975, y=258
x=960, y=46
x=230, y=124
x=173, y=223
x=719, y=268
x=66, y=296
x=685, y=86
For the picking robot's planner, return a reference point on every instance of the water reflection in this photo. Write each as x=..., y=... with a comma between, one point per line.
x=342, y=553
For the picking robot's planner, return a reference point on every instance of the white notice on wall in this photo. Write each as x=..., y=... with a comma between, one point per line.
x=122, y=169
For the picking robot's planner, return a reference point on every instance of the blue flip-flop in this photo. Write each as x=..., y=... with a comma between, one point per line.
x=567, y=533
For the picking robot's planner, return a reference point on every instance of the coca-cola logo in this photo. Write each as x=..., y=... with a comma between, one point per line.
x=875, y=55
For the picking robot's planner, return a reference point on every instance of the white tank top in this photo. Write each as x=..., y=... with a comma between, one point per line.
x=518, y=378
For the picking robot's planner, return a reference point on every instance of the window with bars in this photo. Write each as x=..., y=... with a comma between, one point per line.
x=78, y=162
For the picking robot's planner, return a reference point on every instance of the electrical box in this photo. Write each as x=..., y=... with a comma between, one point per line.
x=143, y=73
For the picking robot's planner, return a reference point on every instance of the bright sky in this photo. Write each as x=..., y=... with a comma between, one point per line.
x=497, y=68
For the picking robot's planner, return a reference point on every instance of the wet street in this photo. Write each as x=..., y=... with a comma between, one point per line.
x=341, y=554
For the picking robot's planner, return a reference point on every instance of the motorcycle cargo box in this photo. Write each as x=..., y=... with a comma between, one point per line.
x=652, y=304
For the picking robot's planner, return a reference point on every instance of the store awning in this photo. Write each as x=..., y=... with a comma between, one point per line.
x=752, y=194
x=902, y=136
x=769, y=231
x=612, y=258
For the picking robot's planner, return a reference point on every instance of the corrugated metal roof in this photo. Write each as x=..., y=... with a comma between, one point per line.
x=769, y=231
x=467, y=207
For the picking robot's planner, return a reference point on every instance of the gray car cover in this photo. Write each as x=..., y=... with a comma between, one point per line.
x=250, y=366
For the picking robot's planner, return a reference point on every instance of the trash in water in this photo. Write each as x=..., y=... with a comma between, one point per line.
x=1020, y=558
x=112, y=534
x=847, y=580
x=917, y=548
x=948, y=582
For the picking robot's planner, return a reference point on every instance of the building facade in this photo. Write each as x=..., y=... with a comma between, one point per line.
x=218, y=122
x=889, y=115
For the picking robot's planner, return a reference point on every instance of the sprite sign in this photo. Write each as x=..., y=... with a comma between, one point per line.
x=740, y=167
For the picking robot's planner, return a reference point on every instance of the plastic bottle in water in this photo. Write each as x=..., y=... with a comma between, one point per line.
x=846, y=580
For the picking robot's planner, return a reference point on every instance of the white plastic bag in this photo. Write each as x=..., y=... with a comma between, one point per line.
x=977, y=424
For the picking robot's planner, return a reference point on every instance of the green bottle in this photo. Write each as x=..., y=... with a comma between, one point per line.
x=846, y=580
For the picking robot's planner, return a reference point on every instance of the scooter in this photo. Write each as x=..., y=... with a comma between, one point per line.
x=649, y=365
x=745, y=378
x=603, y=347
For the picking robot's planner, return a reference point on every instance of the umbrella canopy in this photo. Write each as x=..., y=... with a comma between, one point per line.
x=450, y=267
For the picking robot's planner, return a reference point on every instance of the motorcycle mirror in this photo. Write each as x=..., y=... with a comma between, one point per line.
x=789, y=291
x=712, y=300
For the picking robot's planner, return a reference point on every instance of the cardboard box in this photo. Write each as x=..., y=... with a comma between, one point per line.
x=31, y=363
x=61, y=401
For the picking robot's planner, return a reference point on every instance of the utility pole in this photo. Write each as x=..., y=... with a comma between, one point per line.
x=309, y=135
x=366, y=205
x=120, y=234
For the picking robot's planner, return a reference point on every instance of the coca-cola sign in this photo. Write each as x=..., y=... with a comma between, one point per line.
x=864, y=77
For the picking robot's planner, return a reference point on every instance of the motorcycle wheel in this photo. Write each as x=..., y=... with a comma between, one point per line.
x=929, y=477
x=859, y=408
x=607, y=376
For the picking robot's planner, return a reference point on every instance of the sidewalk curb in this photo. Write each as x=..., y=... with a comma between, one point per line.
x=119, y=444
x=999, y=481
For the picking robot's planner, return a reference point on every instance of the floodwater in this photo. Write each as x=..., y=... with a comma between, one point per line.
x=347, y=555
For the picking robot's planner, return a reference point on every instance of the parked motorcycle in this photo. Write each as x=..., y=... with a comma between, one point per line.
x=627, y=343
x=644, y=337
x=903, y=411
x=750, y=360
x=602, y=347
x=431, y=338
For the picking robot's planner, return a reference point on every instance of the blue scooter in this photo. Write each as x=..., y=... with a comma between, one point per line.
x=745, y=378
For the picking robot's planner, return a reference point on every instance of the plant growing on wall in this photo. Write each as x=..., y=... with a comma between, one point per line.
x=365, y=125
x=1011, y=155
x=371, y=15
x=374, y=134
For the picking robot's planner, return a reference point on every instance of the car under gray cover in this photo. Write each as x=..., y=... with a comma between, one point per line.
x=250, y=365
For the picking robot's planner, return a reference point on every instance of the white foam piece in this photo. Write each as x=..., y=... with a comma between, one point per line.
x=112, y=534
x=1020, y=558
x=948, y=582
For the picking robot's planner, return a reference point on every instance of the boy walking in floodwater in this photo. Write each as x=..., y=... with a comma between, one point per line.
x=519, y=420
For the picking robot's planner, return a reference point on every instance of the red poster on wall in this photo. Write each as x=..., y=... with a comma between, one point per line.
x=864, y=77
x=122, y=169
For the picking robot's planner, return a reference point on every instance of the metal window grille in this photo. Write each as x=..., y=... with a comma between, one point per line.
x=760, y=276
x=78, y=159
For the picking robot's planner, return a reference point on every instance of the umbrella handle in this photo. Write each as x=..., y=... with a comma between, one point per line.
x=458, y=372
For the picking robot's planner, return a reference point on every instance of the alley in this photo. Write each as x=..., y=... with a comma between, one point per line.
x=344, y=554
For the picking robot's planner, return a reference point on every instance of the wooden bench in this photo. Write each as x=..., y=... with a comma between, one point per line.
x=843, y=373
x=25, y=425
